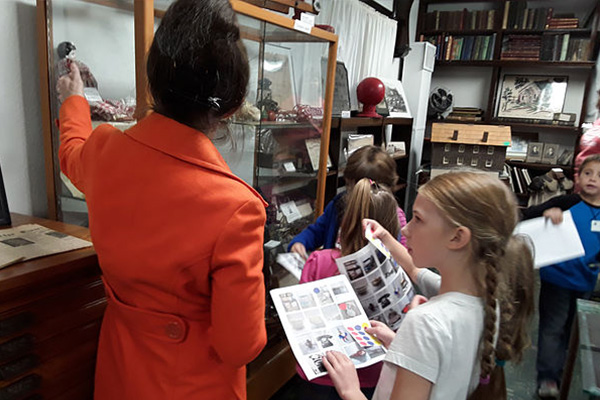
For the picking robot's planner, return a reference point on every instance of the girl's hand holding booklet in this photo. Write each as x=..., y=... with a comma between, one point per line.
x=332, y=313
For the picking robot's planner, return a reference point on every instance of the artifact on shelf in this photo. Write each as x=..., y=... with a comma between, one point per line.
x=265, y=102
x=440, y=103
x=101, y=109
x=370, y=92
x=247, y=112
x=461, y=145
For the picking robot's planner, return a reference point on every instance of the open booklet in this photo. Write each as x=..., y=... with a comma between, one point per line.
x=382, y=286
x=328, y=314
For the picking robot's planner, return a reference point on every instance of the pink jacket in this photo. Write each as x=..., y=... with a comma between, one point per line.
x=321, y=264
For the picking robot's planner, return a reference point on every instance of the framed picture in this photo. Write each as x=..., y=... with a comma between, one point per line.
x=534, y=152
x=4, y=213
x=278, y=84
x=531, y=97
x=396, y=99
x=550, y=154
x=341, y=89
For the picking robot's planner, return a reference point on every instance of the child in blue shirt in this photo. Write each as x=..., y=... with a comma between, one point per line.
x=563, y=283
x=367, y=162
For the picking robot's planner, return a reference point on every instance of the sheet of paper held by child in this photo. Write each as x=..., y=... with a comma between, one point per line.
x=552, y=243
x=325, y=315
x=382, y=286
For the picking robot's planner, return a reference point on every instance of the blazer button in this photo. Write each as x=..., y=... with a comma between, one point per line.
x=174, y=330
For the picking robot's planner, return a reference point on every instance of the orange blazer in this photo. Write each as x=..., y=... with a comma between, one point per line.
x=180, y=243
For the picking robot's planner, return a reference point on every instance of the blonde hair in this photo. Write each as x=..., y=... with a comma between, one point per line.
x=487, y=207
x=367, y=200
x=517, y=303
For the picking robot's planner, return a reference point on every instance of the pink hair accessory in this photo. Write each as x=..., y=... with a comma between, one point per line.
x=484, y=381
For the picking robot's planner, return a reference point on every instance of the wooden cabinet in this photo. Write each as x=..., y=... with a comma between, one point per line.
x=400, y=129
x=50, y=314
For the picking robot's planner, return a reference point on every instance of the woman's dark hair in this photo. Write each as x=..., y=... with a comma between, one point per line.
x=197, y=65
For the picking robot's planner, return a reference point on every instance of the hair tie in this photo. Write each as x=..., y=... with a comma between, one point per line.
x=484, y=380
x=500, y=363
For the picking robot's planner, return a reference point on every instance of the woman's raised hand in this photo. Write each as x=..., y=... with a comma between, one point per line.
x=70, y=84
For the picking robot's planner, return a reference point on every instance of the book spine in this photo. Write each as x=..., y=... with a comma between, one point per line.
x=564, y=47
x=505, y=16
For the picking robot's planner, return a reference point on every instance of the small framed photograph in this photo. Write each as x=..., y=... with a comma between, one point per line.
x=550, y=155
x=395, y=99
x=531, y=97
x=4, y=213
x=534, y=152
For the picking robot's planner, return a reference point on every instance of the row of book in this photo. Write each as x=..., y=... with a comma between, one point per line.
x=465, y=48
x=459, y=20
x=518, y=178
x=546, y=47
x=518, y=16
x=465, y=114
x=559, y=119
x=564, y=47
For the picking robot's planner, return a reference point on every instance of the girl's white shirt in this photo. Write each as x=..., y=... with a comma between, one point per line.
x=439, y=341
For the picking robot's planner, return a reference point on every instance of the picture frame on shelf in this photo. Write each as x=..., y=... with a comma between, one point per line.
x=550, y=154
x=278, y=68
x=341, y=87
x=534, y=152
x=395, y=99
x=531, y=97
x=4, y=212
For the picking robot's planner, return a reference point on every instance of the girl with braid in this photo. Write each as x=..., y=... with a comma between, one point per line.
x=445, y=348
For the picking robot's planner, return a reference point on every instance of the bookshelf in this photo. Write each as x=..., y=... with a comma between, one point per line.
x=478, y=43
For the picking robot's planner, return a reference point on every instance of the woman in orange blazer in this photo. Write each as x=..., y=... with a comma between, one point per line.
x=179, y=237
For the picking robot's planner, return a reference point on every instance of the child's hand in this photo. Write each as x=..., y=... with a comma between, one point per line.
x=417, y=300
x=70, y=84
x=343, y=374
x=379, y=231
x=300, y=249
x=554, y=214
x=382, y=332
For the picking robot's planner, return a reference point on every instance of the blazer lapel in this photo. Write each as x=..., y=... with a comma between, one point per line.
x=184, y=143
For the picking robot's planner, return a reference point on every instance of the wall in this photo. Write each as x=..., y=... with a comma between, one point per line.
x=21, y=139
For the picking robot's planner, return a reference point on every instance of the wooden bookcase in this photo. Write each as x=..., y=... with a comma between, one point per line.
x=342, y=127
x=441, y=19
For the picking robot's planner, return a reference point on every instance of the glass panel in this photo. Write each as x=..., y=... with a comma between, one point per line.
x=276, y=137
x=588, y=314
x=100, y=38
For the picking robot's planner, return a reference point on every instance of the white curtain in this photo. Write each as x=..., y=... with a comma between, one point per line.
x=366, y=40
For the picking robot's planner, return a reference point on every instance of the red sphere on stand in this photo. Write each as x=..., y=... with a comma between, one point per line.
x=370, y=92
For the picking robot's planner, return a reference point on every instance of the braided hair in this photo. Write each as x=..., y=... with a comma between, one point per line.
x=485, y=206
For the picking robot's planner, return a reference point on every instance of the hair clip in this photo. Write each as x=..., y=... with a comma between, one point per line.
x=484, y=381
x=214, y=102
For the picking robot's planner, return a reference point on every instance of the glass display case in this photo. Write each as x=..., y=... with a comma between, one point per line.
x=277, y=140
x=104, y=39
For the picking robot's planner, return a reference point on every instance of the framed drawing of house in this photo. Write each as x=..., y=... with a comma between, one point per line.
x=4, y=213
x=395, y=99
x=531, y=97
